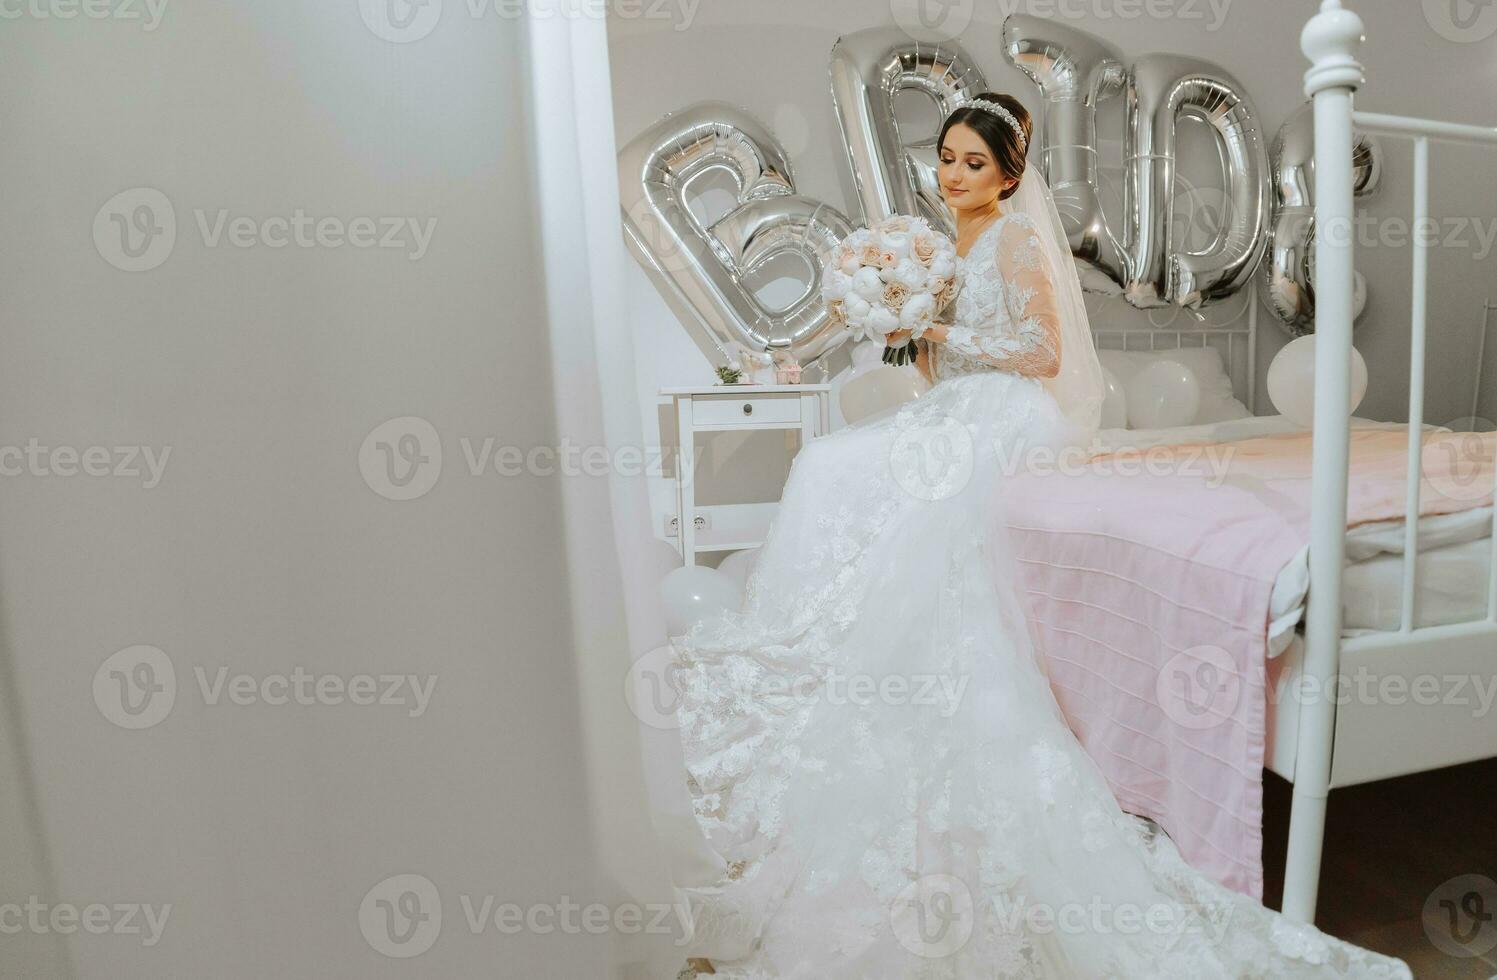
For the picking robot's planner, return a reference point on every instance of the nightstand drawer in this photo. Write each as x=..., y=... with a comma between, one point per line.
x=746, y=409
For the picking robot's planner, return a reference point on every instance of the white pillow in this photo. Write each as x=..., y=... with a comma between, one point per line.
x=1218, y=404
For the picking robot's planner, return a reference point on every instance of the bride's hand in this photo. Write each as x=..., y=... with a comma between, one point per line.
x=897, y=339
x=936, y=332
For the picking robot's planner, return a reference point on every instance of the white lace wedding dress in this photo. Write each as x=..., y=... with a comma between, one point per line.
x=873, y=748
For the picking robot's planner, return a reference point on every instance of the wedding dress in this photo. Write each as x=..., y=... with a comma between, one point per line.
x=871, y=742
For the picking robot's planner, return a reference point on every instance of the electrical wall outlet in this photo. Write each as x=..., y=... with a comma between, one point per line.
x=672, y=524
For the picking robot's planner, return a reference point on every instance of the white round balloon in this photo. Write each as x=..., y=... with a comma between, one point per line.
x=1291, y=381
x=738, y=565
x=694, y=593
x=878, y=390
x=868, y=355
x=1114, y=402
x=1162, y=395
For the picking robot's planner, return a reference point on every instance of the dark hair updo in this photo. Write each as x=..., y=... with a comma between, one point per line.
x=997, y=133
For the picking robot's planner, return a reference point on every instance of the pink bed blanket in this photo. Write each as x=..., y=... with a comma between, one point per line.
x=1148, y=577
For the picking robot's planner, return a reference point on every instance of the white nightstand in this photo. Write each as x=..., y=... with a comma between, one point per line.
x=737, y=408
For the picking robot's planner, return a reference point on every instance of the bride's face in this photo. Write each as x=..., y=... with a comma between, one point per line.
x=970, y=178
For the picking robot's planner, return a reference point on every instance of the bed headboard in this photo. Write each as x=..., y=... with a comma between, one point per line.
x=1231, y=327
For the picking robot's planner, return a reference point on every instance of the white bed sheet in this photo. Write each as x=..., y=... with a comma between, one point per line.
x=1455, y=553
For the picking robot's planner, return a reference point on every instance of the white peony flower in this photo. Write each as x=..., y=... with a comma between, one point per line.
x=918, y=308
x=835, y=284
x=897, y=242
x=881, y=321
x=910, y=273
x=867, y=284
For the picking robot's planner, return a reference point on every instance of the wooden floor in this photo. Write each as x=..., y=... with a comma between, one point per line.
x=1389, y=845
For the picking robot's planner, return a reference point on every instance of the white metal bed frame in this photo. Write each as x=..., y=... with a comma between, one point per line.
x=1235, y=338
x=1340, y=745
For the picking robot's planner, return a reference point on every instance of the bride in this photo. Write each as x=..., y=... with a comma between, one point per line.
x=871, y=742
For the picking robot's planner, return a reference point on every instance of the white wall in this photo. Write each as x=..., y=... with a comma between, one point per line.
x=770, y=57
x=263, y=549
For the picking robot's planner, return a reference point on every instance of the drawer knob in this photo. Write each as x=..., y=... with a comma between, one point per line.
x=748, y=408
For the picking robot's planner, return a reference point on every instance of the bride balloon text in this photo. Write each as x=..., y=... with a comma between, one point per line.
x=706, y=270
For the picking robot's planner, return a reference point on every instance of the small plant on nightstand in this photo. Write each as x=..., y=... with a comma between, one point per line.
x=729, y=375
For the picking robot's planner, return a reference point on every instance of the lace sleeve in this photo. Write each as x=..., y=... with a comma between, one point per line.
x=1033, y=349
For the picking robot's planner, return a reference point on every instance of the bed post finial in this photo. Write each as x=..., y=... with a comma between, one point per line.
x=1331, y=41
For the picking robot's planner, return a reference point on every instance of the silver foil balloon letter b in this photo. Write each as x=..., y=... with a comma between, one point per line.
x=701, y=269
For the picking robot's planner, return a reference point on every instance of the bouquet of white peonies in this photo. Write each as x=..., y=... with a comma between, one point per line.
x=896, y=275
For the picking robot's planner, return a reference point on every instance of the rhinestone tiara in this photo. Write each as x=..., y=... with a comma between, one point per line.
x=1001, y=113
